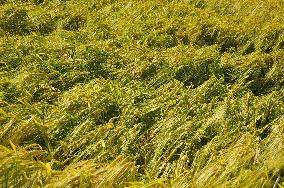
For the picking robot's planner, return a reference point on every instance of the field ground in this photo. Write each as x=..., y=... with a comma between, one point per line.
x=157, y=93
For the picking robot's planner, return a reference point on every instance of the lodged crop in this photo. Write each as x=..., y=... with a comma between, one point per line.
x=158, y=93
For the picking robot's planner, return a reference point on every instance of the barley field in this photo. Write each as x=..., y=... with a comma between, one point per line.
x=142, y=93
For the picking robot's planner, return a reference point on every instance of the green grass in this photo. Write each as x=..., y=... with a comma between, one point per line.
x=160, y=93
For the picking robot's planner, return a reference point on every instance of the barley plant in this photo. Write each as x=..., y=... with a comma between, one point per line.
x=136, y=93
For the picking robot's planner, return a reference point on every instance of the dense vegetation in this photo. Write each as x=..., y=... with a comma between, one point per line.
x=133, y=93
